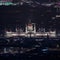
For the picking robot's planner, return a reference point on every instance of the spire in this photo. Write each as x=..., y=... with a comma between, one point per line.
x=30, y=21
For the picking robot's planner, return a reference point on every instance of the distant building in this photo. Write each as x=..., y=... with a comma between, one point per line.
x=30, y=31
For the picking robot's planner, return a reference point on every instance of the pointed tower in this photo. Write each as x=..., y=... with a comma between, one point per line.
x=30, y=27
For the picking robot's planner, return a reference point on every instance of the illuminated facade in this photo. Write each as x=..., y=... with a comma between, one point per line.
x=30, y=31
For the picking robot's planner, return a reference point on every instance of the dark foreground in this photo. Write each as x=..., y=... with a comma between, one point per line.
x=19, y=57
x=18, y=48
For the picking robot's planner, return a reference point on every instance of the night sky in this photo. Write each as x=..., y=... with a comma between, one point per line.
x=13, y=15
x=18, y=14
